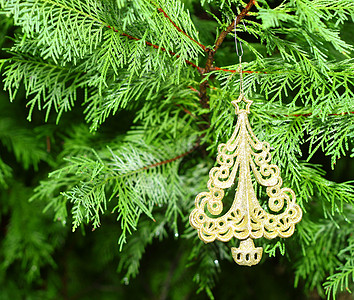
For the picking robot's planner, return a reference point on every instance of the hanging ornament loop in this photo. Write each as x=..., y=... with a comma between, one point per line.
x=239, y=53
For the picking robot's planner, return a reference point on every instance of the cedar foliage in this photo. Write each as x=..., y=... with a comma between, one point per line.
x=127, y=102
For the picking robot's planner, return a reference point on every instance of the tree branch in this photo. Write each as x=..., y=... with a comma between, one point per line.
x=224, y=33
x=160, y=163
x=204, y=99
x=180, y=30
x=200, y=70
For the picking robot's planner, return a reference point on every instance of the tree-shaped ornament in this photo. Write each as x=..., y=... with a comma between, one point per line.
x=246, y=219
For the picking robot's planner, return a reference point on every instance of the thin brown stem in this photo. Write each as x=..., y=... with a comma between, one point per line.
x=211, y=68
x=180, y=30
x=156, y=47
x=204, y=99
x=188, y=112
x=164, y=162
x=224, y=33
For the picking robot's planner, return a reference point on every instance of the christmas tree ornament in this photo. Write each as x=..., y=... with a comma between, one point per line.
x=246, y=219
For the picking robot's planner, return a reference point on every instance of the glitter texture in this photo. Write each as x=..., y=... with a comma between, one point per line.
x=246, y=219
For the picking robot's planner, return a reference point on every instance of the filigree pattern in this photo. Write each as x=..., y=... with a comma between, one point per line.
x=246, y=219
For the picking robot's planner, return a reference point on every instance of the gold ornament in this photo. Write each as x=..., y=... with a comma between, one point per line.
x=246, y=219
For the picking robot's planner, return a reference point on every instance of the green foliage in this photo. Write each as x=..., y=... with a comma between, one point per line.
x=129, y=69
x=327, y=253
x=132, y=175
x=27, y=146
x=26, y=240
x=81, y=48
x=341, y=279
x=58, y=87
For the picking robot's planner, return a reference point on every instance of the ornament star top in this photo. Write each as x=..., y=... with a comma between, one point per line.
x=243, y=102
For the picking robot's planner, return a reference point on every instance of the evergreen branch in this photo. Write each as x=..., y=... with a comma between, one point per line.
x=157, y=164
x=197, y=144
x=56, y=3
x=328, y=250
x=125, y=93
x=27, y=147
x=321, y=91
x=128, y=173
x=340, y=281
x=200, y=70
x=343, y=277
x=180, y=30
x=52, y=86
x=133, y=251
x=74, y=44
x=204, y=99
x=224, y=33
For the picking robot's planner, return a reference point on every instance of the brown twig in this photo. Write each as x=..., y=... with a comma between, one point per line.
x=224, y=33
x=188, y=112
x=200, y=70
x=204, y=99
x=156, y=47
x=193, y=89
x=164, y=162
x=212, y=68
x=180, y=30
